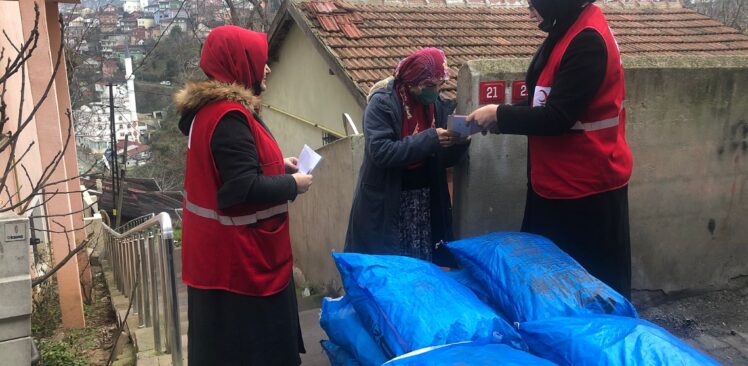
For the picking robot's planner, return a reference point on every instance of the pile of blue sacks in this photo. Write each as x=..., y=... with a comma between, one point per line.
x=517, y=300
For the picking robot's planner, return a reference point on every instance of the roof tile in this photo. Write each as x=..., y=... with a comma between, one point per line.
x=328, y=23
x=370, y=39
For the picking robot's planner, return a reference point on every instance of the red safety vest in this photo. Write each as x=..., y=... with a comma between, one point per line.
x=246, y=249
x=593, y=157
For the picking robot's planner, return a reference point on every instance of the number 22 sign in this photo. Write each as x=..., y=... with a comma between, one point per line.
x=519, y=91
x=492, y=92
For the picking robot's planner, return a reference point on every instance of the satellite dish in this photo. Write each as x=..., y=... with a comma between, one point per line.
x=349, y=125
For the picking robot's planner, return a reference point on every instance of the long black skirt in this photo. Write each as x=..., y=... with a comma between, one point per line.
x=231, y=329
x=594, y=230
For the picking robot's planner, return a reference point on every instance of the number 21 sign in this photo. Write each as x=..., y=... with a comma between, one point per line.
x=492, y=92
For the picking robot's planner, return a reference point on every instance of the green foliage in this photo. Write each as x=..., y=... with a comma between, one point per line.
x=151, y=97
x=60, y=353
x=45, y=319
x=171, y=70
x=169, y=148
x=173, y=59
x=176, y=33
x=167, y=60
x=46, y=316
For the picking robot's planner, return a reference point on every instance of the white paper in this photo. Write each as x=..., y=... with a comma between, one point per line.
x=456, y=123
x=308, y=159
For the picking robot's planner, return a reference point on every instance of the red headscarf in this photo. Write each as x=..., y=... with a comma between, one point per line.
x=428, y=64
x=235, y=55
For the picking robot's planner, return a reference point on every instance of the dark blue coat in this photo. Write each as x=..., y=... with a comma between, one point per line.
x=373, y=226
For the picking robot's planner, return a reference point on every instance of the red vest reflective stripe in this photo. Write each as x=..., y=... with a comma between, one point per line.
x=594, y=157
x=246, y=249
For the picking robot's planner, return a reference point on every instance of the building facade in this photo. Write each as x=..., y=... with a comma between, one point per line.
x=47, y=133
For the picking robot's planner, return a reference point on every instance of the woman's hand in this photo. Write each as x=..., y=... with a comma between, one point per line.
x=291, y=165
x=303, y=182
x=448, y=138
x=484, y=117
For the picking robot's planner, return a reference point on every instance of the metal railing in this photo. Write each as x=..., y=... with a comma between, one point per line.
x=133, y=223
x=142, y=262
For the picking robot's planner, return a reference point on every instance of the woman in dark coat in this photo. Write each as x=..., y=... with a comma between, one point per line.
x=402, y=203
x=236, y=248
x=579, y=161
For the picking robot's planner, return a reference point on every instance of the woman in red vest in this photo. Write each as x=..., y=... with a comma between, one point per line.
x=579, y=161
x=236, y=248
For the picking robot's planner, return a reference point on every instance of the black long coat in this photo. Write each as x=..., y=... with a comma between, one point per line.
x=373, y=226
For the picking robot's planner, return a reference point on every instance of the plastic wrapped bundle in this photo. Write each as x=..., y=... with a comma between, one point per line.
x=606, y=340
x=342, y=325
x=337, y=355
x=527, y=277
x=408, y=304
x=469, y=354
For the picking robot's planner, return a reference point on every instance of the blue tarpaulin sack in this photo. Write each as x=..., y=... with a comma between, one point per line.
x=527, y=277
x=466, y=279
x=607, y=340
x=469, y=354
x=342, y=325
x=408, y=304
x=337, y=355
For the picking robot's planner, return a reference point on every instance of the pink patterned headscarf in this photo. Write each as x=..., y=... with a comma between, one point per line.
x=426, y=64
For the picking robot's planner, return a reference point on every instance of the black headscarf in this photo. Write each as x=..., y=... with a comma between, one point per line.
x=558, y=16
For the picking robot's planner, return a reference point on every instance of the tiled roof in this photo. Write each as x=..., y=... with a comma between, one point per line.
x=143, y=196
x=369, y=40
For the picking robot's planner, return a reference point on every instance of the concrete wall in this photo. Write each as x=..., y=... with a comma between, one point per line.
x=688, y=129
x=62, y=90
x=51, y=138
x=46, y=132
x=319, y=217
x=15, y=287
x=302, y=84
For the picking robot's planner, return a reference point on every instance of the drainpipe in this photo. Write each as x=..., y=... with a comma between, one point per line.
x=300, y=119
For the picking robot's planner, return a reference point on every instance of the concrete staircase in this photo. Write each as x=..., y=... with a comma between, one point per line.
x=143, y=337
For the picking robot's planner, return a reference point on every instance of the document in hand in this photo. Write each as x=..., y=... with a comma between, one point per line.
x=308, y=159
x=456, y=123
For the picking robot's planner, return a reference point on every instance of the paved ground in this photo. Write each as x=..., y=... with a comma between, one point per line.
x=312, y=333
x=309, y=320
x=715, y=322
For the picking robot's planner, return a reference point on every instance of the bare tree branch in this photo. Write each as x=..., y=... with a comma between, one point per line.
x=12, y=138
x=64, y=231
x=39, y=280
x=25, y=51
x=232, y=11
x=68, y=213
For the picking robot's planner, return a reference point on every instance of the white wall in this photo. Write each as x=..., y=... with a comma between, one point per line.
x=301, y=84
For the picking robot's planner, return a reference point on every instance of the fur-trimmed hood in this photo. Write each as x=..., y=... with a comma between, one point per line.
x=197, y=94
x=380, y=85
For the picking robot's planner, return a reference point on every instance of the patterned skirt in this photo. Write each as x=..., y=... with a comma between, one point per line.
x=415, y=224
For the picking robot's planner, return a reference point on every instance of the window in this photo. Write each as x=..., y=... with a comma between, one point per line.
x=328, y=138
